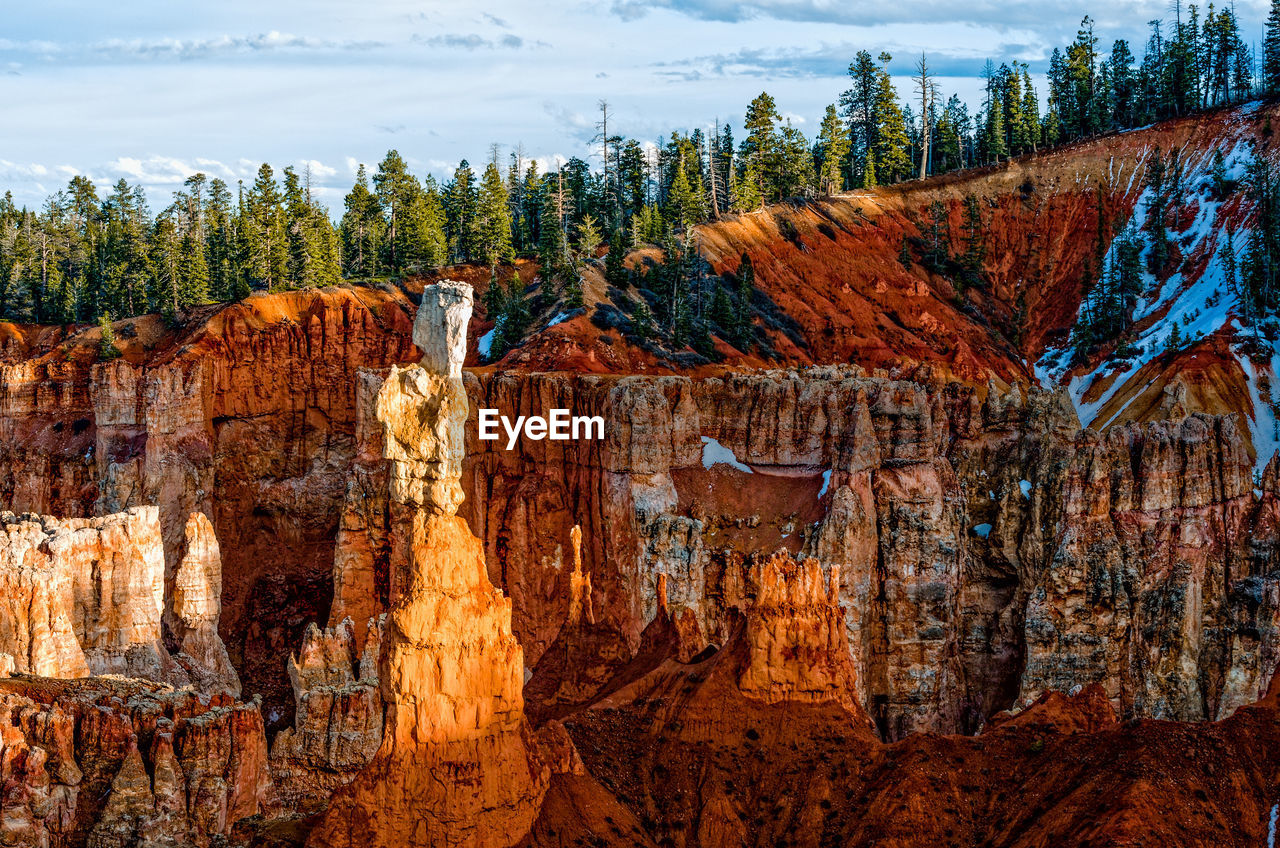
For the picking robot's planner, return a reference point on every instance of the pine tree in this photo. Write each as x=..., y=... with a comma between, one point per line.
x=642, y=321
x=193, y=273
x=362, y=229
x=742, y=325
x=493, y=218
x=1082, y=81
x=166, y=253
x=761, y=150
x=302, y=243
x=858, y=107
x=745, y=193
x=973, y=234
x=1030, y=111
x=892, y=157
x=1271, y=51
x=589, y=238
x=461, y=203
x=265, y=237
x=515, y=313
x=993, y=143
x=423, y=241
x=795, y=164
x=529, y=234
x=552, y=246
x=684, y=206
x=1157, y=207
x=394, y=186
x=832, y=153
x=220, y=246
x=107, y=349
x=615, y=262
x=937, y=236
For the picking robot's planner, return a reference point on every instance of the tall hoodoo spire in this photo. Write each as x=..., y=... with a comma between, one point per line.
x=451, y=671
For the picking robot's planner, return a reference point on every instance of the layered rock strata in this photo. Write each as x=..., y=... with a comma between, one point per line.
x=950, y=520
x=246, y=414
x=86, y=596
x=895, y=481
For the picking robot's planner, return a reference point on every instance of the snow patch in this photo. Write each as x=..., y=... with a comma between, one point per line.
x=486, y=342
x=1271, y=828
x=826, y=482
x=714, y=453
x=1264, y=428
x=1025, y=485
x=563, y=316
x=983, y=530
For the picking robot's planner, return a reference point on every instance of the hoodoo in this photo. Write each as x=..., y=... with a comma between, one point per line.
x=454, y=767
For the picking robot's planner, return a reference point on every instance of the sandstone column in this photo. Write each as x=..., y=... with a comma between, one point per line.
x=453, y=767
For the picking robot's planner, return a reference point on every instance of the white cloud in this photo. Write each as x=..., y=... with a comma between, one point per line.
x=319, y=170
x=169, y=89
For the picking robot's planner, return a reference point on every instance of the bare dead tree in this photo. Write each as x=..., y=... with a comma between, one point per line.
x=715, y=176
x=925, y=87
x=603, y=137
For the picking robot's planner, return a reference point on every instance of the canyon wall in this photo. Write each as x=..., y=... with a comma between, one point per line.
x=246, y=415
x=979, y=541
x=986, y=550
x=979, y=545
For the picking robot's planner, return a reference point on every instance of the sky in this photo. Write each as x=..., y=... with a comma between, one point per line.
x=154, y=90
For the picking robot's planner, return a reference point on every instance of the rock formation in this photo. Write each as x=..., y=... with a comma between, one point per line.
x=795, y=627
x=454, y=766
x=125, y=763
x=36, y=633
x=338, y=715
x=246, y=415
x=196, y=607
x=86, y=595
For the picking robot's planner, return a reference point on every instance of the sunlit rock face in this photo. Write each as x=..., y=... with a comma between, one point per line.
x=197, y=605
x=453, y=767
x=84, y=595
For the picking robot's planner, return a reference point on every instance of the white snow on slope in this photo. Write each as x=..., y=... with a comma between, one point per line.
x=714, y=453
x=1263, y=425
x=1198, y=307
